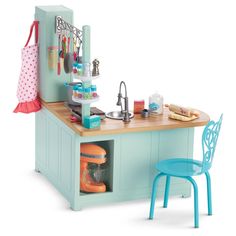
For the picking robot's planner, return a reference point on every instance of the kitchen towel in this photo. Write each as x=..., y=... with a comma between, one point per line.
x=27, y=91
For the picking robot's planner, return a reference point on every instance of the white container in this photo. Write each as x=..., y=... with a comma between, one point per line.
x=156, y=104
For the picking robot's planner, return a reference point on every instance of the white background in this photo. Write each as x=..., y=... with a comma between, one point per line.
x=184, y=49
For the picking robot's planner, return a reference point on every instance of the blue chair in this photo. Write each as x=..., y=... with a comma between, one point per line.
x=186, y=168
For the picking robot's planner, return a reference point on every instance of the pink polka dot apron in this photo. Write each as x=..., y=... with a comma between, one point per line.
x=27, y=91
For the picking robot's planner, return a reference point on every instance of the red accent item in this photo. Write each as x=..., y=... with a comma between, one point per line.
x=58, y=68
x=28, y=107
x=73, y=119
x=75, y=55
x=36, y=25
x=138, y=106
x=68, y=45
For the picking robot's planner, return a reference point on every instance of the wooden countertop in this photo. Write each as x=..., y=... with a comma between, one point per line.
x=137, y=124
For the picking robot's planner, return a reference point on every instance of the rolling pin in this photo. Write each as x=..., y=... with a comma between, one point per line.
x=182, y=110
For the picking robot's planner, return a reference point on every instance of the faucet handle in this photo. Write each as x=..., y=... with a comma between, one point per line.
x=119, y=99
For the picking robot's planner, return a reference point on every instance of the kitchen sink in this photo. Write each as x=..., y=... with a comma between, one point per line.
x=117, y=115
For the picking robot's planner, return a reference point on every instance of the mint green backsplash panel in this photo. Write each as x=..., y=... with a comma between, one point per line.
x=51, y=86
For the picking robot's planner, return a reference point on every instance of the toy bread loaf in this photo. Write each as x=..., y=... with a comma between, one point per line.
x=175, y=116
x=188, y=112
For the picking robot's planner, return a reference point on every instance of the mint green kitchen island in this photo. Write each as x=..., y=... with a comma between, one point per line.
x=132, y=151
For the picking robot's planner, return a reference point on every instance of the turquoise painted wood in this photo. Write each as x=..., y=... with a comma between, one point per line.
x=131, y=160
x=135, y=162
x=86, y=107
x=51, y=86
x=86, y=59
x=86, y=44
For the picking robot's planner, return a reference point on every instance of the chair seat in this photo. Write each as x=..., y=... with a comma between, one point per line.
x=180, y=167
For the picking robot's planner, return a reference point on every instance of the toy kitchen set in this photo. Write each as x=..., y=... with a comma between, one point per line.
x=89, y=157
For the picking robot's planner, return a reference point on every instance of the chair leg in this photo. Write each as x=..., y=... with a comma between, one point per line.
x=167, y=189
x=154, y=194
x=209, y=202
x=196, y=213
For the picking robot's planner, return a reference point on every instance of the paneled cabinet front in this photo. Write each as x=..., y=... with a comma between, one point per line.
x=135, y=162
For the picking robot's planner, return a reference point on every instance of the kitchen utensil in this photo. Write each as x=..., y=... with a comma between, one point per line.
x=91, y=175
x=68, y=63
x=76, y=56
x=175, y=116
x=184, y=111
x=68, y=59
x=68, y=44
x=63, y=46
x=52, y=57
x=74, y=48
x=58, y=59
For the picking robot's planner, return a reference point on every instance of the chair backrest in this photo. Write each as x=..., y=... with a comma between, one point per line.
x=209, y=140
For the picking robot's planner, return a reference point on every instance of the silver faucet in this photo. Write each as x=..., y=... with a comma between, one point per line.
x=126, y=118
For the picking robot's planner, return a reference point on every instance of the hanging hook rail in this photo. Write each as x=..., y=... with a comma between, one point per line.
x=63, y=25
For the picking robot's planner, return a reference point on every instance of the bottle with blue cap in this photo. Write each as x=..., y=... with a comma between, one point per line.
x=75, y=91
x=80, y=92
x=79, y=68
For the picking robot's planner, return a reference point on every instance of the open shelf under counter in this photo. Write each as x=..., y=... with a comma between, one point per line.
x=108, y=166
x=84, y=78
x=85, y=101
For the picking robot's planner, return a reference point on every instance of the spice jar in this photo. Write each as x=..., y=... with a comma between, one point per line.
x=87, y=93
x=94, y=91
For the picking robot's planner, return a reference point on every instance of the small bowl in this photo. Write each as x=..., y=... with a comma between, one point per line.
x=97, y=174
